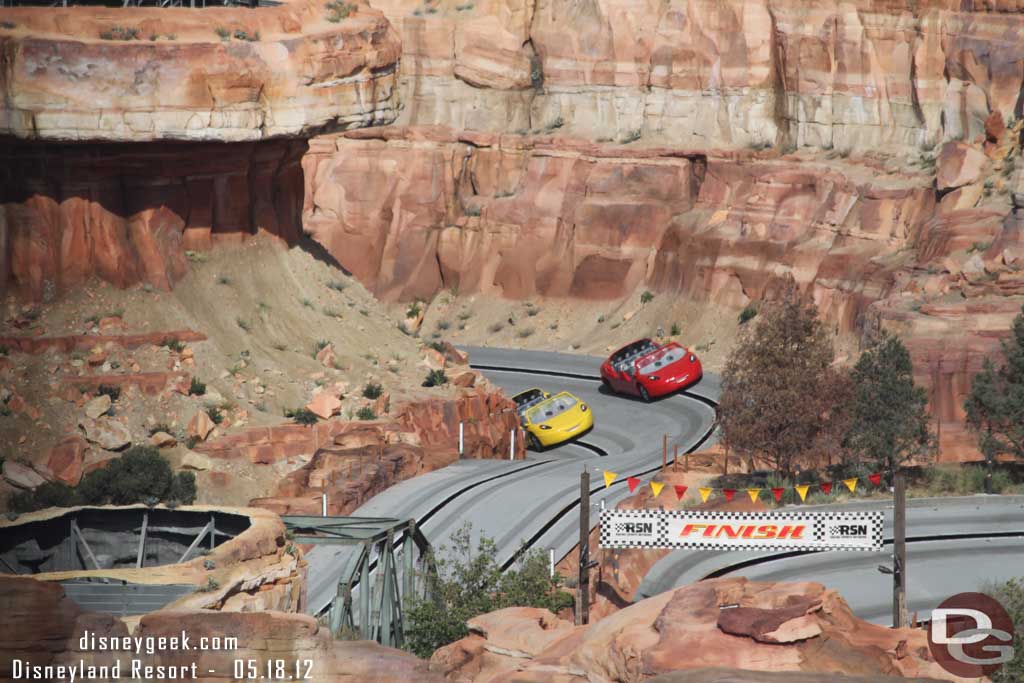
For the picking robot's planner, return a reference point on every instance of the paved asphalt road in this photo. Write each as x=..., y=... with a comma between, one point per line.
x=533, y=500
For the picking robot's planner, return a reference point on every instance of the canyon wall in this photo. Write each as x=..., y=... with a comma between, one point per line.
x=123, y=152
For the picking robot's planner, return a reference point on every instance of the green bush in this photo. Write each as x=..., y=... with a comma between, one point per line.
x=196, y=388
x=469, y=583
x=647, y=297
x=748, y=314
x=676, y=330
x=338, y=10
x=435, y=378
x=372, y=390
x=366, y=413
x=303, y=416
x=173, y=345
x=1011, y=596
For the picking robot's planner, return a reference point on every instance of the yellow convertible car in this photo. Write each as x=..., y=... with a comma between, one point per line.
x=549, y=420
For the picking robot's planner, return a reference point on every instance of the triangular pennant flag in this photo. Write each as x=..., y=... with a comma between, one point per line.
x=633, y=483
x=680, y=491
x=777, y=492
x=729, y=493
x=826, y=487
x=704, y=493
x=802, y=490
x=875, y=478
x=657, y=486
x=753, y=493
x=851, y=484
x=609, y=477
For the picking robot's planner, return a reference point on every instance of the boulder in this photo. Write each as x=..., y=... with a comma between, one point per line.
x=465, y=379
x=382, y=404
x=716, y=675
x=106, y=433
x=97, y=406
x=959, y=164
x=200, y=425
x=324, y=405
x=196, y=461
x=21, y=476
x=326, y=356
x=162, y=440
x=66, y=459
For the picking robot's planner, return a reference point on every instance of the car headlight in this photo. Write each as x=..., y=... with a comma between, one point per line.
x=693, y=358
x=583, y=407
x=545, y=426
x=653, y=377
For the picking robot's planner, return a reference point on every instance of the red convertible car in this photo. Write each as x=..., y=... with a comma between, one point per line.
x=647, y=369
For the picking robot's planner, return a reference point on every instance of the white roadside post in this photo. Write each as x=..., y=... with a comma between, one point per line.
x=551, y=561
x=461, y=441
x=324, y=504
x=512, y=446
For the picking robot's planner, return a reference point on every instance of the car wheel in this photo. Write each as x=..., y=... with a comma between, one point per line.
x=533, y=443
x=643, y=393
x=606, y=384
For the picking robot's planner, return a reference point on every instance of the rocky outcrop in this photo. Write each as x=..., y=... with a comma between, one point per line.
x=353, y=461
x=51, y=626
x=281, y=71
x=728, y=623
x=717, y=675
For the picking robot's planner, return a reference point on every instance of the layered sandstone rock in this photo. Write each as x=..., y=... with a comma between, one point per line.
x=728, y=623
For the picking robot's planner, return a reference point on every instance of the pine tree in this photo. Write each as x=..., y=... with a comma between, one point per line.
x=890, y=426
x=995, y=406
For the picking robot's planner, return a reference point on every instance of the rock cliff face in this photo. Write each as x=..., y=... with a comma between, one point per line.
x=123, y=153
x=867, y=75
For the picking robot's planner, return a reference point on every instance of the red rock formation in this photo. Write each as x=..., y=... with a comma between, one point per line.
x=87, y=341
x=775, y=627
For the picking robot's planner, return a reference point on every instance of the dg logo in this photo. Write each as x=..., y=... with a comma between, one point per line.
x=971, y=635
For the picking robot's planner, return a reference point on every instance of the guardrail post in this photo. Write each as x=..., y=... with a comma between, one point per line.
x=323, y=505
x=512, y=446
x=462, y=443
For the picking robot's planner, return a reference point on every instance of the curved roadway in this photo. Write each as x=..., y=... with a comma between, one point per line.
x=532, y=500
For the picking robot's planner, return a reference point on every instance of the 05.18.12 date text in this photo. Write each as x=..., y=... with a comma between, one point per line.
x=252, y=670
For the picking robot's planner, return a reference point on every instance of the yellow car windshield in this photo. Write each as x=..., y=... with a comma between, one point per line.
x=551, y=408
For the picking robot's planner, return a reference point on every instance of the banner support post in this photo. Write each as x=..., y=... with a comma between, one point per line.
x=899, y=552
x=664, y=451
x=583, y=583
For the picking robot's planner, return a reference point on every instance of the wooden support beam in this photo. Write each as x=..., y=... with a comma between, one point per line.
x=142, y=540
x=8, y=565
x=79, y=538
x=364, y=593
x=195, y=543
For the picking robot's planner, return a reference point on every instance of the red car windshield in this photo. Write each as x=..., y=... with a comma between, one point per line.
x=660, y=359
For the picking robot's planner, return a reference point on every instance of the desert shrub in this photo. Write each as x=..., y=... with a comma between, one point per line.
x=215, y=414
x=47, y=495
x=196, y=387
x=1011, y=596
x=525, y=332
x=676, y=330
x=443, y=324
x=632, y=136
x=120, y=33
x=113, y=392
x=222, y=32
x=473, y=211
x=435, y=378
x=470, y=582
x=243, y=323
x=223, y=280
x=372, y=390
x=366, y=413
x=336, y=285
x=173, y=345
x=465, y=315
x=413, y=309
x=320, y=345
x=183, y=488
x=496, y=327
x=646, y=297
x=338, y=10
x=748, y=314
x=303, y=416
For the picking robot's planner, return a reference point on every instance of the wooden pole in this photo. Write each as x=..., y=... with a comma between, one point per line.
x=583, y=584
x=899, y=552
x=675, y=456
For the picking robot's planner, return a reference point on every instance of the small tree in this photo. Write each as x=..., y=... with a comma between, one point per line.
x=889, y=426
x=775, y=402
x=995, y=406
x=470, y=583
x=1011, y=596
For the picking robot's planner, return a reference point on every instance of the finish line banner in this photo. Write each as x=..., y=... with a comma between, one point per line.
x=769, y=531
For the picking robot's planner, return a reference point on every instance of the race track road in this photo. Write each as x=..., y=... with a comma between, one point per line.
x=534, y=501
x=954, y=545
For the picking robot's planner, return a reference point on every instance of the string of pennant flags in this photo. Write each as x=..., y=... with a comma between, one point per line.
x=802, y=490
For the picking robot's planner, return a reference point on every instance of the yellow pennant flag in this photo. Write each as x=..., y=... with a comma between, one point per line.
x=704, y=493
x=753, y=493
x=657, y=486
x=802, y=490
x=851, y=483
x=609, y=477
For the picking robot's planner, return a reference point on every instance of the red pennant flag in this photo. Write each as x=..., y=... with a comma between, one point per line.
x=729, y=493
x=826, y=487
x=876, y=478
x=680, y=491
x=633, y=482
x=777, y=492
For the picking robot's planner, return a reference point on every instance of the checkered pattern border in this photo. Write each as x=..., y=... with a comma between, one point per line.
x=650, y=528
